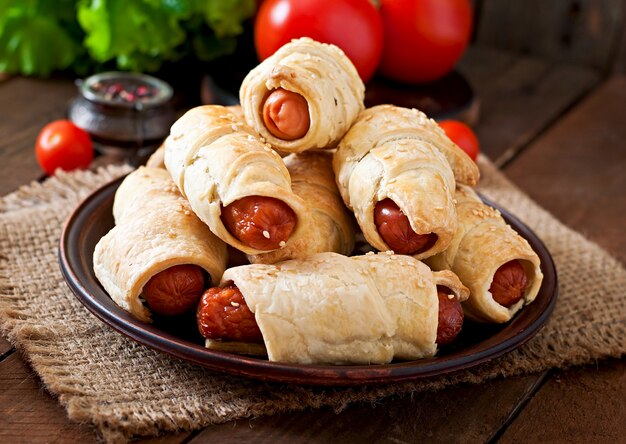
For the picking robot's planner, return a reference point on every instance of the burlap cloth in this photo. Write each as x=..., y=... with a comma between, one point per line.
x=127, y=390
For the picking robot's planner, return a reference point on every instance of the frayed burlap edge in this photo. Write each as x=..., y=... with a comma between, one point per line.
x=581, y=330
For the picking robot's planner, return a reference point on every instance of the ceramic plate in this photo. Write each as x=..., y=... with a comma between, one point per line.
x=476, y=344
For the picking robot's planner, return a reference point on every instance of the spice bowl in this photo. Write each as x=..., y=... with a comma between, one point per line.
x=127, y=114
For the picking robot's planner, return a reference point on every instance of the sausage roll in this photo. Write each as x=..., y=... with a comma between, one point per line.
x=335, y=309
x=237, y=185
x=156, y=231
x=329, y=227
x=498, y=266
x=157, y=159
x=303, y=97
x=396, y=170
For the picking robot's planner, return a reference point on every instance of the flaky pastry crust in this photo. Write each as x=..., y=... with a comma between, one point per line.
x=319, y=72
x=329, y=226
x=216, y=159
x=155, y=229
x=398, y=153
x=482, y=243
x=330, y=308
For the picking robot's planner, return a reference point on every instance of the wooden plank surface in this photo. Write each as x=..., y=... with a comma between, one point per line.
x=5, y=346
x=26, y=105
x=520, y=97
x=478, y=412
x=461, y=414
x=583, y=405
x=576, y=170
x=565, y=31
x=28, y=414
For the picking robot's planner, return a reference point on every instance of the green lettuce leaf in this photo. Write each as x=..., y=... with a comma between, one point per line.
x=123, y=30
x=33, y=37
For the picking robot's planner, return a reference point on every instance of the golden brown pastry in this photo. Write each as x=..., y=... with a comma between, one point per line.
x=303, y=97
x=329, y=226
x=155, y=231
x=157, y=159
x=498, y=266
x=237, y=185
x=396, y=170
x=330, y=308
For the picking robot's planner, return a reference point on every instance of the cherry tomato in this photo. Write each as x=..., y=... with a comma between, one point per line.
x=353, y=25
x=463, y=136
x=423, y=38
x=61, y=144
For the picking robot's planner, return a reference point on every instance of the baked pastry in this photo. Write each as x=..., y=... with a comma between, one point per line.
x=303, y=97
x=397, y=171
x=237, y=185
x=498, y=265
x=329, y=227
x=155, y=231
x=157, y=159
x=330, y=308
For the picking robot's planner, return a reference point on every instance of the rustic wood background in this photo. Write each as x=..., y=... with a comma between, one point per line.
x=550, y=77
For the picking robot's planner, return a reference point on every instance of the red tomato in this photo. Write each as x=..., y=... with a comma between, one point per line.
x=423, y=38
x=352, y=25
x=463, y=136
x=61, y=144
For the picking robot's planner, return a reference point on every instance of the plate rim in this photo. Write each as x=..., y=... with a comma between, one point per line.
x=303, y=374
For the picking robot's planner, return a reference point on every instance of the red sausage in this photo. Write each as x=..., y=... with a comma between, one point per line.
x=509, y=283
x=224, y=314
x=286, y=114
x=395, y=229
x=260, y=222
x=450, y=316
x=174, y=290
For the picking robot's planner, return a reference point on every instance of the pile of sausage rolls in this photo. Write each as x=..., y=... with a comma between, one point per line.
x=247, y=215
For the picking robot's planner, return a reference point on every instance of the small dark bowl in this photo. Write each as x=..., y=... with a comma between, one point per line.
x=476, y=344
x=124, y=126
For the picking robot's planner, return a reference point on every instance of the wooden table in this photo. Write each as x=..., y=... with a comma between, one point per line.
x=558, y=131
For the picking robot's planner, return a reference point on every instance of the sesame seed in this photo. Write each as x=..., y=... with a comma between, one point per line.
x=266, y=234
x=282, y=243
x=450, y=296
x=234, y=304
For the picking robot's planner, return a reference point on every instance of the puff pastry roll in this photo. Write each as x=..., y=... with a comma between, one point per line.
x=157, y=159
x=335, y=309
x=303, y=97
x=396, y=170
x=237, y=185
x=498, y=266
x=329, y=227
x=155, y=234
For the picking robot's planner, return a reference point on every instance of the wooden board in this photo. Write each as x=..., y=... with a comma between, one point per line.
x=5, y=347
x=520, y=97
x=26, y=106
x=466, y=413
x=566, y=31
x=578, y=405
x=576, y=170
x=30, y=415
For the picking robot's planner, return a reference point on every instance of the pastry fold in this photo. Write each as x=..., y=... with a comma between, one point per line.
x=155, y=229
x=157, y=159
x=323, y=75
x=215, y=159
x=398, y=153
x=482, y=243
x=335, y=309
x=329, y=226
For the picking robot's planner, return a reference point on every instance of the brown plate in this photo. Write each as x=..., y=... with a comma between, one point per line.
x=477, y=343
